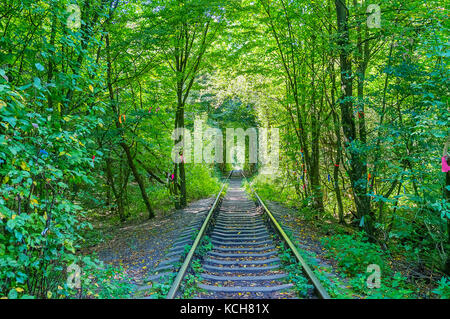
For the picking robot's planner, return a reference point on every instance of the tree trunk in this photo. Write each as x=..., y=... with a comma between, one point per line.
x=138, y=179
x=357, y=165
x=336, y=164
x=179, y=123
x=337, y=132
x=123, y=144
x=118, y=194
x=314, y=172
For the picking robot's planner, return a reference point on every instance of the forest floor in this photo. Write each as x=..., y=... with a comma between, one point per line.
x=140, y=245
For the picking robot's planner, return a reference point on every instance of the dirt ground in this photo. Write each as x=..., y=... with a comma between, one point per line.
x=140, y=246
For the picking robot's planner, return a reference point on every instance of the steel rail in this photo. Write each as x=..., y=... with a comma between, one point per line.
x=317, y=285
x=184, y=267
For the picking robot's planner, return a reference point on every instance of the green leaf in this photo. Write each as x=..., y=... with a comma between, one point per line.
x=11, y=120
x=12, y=294
x=37, y=83
x=40, y=67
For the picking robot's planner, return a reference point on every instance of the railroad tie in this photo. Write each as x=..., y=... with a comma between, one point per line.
x=244, y=258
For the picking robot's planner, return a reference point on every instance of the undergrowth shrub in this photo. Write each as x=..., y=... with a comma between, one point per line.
x=104, y=281
x=353, y=253
x=43, y=162
x=266, y=188
x=391, y=287
x=201, y=182
x=443, y=290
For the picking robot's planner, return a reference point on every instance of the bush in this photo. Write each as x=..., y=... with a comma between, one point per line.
x=42, y=165
x=391, y=287
x=268, y=189
x=104, y=281
x=353, y=253
x=200, y=182
x=443, y=290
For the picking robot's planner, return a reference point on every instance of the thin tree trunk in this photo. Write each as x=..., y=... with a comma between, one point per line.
x=138, y=179
x=118, y=194
x=314, y=173
x=179, y=124
x=356, y=172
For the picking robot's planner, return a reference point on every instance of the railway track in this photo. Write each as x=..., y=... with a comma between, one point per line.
x=246, y=253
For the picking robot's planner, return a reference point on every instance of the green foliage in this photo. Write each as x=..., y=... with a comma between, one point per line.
x=42, y=164
x=205, y=246
x=336, y=288
x=395, y=287
x=200, y=182
x=281, y=190
x=265, y=188
x=86, y=116
x=161, y=289
x=301, y=283
x=443, y=290
x=190, y=286
x=104, y=281
x=196, y=265
x=295, y=272
x=354, y=253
